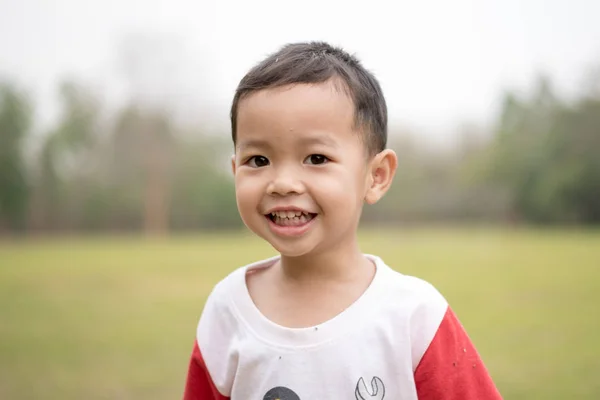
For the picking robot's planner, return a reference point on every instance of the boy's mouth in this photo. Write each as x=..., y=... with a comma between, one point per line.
x=290, y=218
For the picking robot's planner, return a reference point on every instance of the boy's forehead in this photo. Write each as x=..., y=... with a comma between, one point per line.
x=301, y=95
x=299, y=107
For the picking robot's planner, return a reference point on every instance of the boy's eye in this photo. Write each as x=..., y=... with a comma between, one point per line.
x=316, y=159
x=258, y=161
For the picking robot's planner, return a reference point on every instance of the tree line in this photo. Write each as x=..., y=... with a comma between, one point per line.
x=137, y=169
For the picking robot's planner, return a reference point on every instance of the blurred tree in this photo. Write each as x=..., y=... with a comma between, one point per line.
x=157, y=145
x=546, y=154
x=15, y=122
x=66, y=159
x=143, y=144
x=203, y=188
x=522, y=153
x=573, y=178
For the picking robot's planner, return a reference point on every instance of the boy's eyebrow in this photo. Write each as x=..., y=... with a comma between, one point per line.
x=253, y=143
x=320, y=139
x=310, y=140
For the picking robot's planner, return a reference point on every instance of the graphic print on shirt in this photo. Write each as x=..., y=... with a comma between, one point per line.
x=377, y=391
x=281, y=393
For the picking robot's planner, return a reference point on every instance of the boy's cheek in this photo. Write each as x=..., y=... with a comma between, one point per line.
x=338, y=192
x=331, y=186
x=246, y=190
x=244, y=179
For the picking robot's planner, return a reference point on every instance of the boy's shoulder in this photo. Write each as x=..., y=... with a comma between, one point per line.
x=233, y=285
x=402, y=288
x=414, y=304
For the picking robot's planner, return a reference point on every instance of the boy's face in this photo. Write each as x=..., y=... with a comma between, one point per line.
x=301, y=170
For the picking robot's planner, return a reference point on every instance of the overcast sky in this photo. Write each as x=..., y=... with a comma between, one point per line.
x=439, y=62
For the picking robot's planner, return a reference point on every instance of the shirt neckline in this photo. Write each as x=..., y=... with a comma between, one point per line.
x=278, y=335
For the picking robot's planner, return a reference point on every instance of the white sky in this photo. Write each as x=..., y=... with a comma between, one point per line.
x=439, y=62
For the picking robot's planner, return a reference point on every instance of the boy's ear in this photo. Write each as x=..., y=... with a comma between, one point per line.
x=381, y=174
x=233, y=164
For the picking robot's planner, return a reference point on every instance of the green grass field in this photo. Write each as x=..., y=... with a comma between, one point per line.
x=115, y=318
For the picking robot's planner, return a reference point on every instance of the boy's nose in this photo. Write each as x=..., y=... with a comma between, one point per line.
x=285, y=183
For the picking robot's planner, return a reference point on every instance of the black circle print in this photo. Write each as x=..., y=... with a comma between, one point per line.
x=281, y=393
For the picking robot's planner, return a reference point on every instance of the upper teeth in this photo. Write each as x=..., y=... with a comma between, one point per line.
x=287, y=214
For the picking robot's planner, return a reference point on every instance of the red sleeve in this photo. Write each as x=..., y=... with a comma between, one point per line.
x=199, y=385
x=451, y=368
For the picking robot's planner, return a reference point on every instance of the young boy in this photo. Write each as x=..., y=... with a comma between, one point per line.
x=322, y=320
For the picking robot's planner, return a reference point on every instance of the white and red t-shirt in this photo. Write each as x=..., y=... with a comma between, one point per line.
x=399, y=340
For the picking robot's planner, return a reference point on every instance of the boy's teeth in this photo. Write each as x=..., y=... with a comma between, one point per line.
x=287, y=214
x=288, y=218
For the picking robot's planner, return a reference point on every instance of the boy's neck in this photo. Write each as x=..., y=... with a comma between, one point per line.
x=339, y=264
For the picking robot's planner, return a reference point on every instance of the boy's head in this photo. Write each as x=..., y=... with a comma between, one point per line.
x=314, y=63
x=309, y=125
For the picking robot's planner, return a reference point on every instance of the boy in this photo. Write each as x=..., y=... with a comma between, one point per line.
x=322, y=320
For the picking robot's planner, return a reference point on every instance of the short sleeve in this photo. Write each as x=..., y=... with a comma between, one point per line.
x=451, y=368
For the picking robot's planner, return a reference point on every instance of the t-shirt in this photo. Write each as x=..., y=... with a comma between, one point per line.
x=399, y=340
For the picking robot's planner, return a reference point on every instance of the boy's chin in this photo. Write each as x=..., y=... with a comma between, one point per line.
x=293, y=251
x=292, y=247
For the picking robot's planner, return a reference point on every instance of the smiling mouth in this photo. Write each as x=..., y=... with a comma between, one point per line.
x=290, y=218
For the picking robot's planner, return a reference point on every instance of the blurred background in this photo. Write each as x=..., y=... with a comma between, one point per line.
x=117, y=208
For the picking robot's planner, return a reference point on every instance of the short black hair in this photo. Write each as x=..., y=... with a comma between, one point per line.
x=317, y=62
